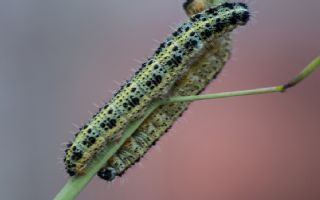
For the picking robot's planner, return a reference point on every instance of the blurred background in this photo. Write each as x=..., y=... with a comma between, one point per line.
x=59, y=57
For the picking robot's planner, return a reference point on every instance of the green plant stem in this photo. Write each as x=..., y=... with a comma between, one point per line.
x=224, y=94
x=76, y=184
x=314, y=64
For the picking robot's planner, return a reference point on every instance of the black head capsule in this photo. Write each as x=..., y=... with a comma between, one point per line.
x=107, y=174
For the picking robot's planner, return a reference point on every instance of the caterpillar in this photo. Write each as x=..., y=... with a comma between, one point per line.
x=153, y=80
x=160, y=121
x=204, y=70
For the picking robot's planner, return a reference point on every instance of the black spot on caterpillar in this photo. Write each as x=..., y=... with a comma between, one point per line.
x=200, y=73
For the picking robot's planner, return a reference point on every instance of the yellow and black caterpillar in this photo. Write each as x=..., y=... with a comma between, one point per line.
x=154, y=79
x=197, y=78
x=201, y=72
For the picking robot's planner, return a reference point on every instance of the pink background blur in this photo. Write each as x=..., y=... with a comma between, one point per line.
x=58, y=57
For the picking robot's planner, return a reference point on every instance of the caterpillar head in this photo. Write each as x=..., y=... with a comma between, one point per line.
x=195, y=6
x=107, y=174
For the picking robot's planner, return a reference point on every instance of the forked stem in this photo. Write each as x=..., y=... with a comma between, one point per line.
x=76, y=184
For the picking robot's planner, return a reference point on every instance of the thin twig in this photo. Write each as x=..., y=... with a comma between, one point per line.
x=76, y=184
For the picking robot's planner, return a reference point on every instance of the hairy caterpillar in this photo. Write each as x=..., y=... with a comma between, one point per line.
x=205, y=69
x=152, y=80
x=199, y=75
